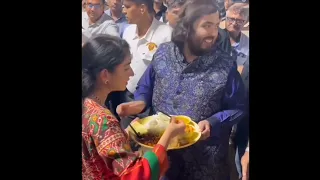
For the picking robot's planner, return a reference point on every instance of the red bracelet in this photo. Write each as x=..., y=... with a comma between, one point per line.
x=159, y=148
x=161, y=153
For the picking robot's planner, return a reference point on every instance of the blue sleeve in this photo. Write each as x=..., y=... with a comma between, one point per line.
x=233, y=103
x=144, y=90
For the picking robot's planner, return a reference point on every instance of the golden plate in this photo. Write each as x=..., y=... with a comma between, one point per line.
x=139, y=126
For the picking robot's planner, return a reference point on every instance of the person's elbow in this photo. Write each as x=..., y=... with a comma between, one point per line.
x=141, y=98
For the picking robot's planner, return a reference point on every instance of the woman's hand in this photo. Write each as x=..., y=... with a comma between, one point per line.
x=176, y=127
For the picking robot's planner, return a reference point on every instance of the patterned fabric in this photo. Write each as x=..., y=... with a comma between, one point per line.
x=201, y=83
x=106, y=153
x=202, y=91
x=210, y=89
x=103, y=143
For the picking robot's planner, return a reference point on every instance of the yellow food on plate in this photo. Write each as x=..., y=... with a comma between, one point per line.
x=151, y=129
x=184, y=119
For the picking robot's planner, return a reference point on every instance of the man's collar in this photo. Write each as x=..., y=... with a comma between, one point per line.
x=162, y=10
x=103, y=18
x=148, y=36
x=108, y=12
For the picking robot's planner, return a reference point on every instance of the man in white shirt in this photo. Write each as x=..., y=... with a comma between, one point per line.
x=144, y=35
x=95, y=21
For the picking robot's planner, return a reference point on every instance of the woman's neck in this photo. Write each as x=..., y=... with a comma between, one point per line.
x=100, y=96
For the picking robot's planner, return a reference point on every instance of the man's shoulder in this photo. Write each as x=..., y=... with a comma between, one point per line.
x=162, y=33
x=224, y=40
x=85, y=20
x=130, y=27
x=244, y=39
x=163, y=28
x=107, y=12
x=223, y=33
x=107, y=20
x=85, y=36
x=164, y=52
x=129, y=31
x=225, y=56
x=165, y=49
x=108, y=26
x=166, y=46
x=84, y=15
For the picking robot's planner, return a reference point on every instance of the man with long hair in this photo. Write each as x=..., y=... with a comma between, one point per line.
x=193, y=76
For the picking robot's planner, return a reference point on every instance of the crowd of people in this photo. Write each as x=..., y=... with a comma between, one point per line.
x=182, y=57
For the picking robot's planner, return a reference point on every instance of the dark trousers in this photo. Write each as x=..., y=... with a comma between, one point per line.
x=232, y=165
x=241, y=141
x=237, y=148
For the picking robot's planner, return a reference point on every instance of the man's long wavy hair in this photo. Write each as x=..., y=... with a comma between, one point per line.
x=191, y=11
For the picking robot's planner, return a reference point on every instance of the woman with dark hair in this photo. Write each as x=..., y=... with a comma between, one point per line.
x=106, y=153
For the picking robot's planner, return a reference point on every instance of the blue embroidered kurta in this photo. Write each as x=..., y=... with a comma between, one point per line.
x=210, y=88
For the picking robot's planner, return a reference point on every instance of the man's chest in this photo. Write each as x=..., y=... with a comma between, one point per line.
x=142, y=51
x=242, y=50
x=190, y=80
x=95, y=29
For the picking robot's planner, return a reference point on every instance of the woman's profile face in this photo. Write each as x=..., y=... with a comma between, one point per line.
x=119, y=78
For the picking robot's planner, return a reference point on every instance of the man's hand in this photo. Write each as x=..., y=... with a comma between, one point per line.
x=204, y=126
x=245, y=166
x=130, y=108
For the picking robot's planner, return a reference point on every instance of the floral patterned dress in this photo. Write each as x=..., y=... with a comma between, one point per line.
x=106, y=153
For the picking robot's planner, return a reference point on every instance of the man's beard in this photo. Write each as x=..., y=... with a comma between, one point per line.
x=194, y=45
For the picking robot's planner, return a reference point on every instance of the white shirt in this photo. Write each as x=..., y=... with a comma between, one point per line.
x=141, y=55
x=85, y=36
x=105, y=25
x=161, y=19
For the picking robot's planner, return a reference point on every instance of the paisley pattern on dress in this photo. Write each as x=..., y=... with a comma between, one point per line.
x=106, y=152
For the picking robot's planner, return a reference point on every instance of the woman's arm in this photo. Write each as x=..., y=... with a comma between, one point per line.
x=113, y=146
